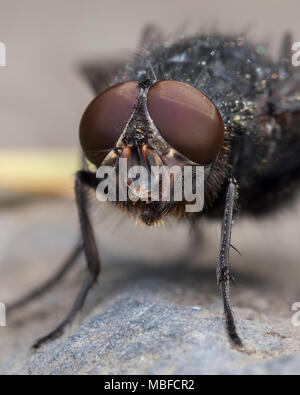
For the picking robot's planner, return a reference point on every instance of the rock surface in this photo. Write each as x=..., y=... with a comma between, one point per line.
x=156, y=308
x=142, y=333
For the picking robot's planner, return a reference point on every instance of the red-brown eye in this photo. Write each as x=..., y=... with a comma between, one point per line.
x=187, y=120
x=105, y=119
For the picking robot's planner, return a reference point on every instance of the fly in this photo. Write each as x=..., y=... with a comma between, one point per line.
x=208, y=100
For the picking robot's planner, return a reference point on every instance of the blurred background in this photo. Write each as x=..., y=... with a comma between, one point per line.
x=42, y=98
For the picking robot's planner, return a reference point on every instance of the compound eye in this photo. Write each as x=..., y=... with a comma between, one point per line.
x=105, y=119
x=187, y=120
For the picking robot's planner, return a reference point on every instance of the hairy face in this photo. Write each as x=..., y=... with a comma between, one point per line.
x=161, y=123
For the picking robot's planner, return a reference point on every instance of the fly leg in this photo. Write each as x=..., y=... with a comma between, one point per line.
x=223, y=270
x=84, y=179
x=51, y=282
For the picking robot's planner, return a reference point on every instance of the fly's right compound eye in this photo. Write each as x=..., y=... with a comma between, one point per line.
x=105, y=119
x=187, y=120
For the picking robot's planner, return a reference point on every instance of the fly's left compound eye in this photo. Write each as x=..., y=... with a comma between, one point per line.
x=187, y=120
x=105, y=119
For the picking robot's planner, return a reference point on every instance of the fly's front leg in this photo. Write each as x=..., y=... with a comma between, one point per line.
x=223, y=270
x=84, y=179
x=51, y=282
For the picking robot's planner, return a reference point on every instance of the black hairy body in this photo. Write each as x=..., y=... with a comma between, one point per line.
x=259, y=101
x=258, y=167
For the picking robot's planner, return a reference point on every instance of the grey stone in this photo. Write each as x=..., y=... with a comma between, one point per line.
x=154, y=311
x=139, y=333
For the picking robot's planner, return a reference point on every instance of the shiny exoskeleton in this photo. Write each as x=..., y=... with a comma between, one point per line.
x=251, y=153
